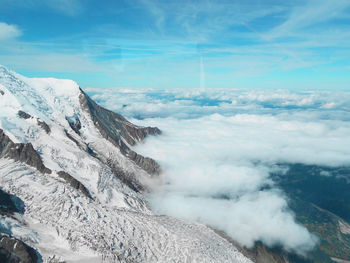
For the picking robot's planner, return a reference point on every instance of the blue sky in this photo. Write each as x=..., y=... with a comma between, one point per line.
x=180, y=44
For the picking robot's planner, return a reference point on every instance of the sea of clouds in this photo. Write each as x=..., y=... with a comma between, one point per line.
x=219, y=147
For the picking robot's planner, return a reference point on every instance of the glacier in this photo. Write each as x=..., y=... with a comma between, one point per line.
x=89, y=205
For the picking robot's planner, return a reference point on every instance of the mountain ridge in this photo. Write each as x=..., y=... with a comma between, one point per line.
x=89, y=152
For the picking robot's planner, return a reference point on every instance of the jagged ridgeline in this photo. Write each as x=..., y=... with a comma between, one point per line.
x=72, y=188
x=120, y=132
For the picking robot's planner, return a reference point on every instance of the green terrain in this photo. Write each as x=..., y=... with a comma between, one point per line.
x=320, y=199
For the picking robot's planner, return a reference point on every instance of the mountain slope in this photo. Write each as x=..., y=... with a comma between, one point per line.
x=69, y=164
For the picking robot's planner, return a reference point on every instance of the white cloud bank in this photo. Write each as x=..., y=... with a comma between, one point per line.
x=9, y=31
x=219, y=146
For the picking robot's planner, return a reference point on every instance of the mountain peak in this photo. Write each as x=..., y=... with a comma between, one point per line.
x=71, y=163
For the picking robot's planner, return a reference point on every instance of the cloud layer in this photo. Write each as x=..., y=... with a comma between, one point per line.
x=219, y=146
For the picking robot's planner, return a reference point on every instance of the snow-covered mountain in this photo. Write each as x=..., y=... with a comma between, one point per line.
x=72, y=189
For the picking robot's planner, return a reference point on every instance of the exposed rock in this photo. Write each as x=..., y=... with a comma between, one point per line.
x=260, y=253
x=44, y=125
x=2, y=92
x=70, y=137
x=118, y=130
x=126, y=178
x=114, y=125
x=74, y=123
x=74, y=183
x=23, y=152
x=84, y=146
x=24, y=115
x=148, y=164
x=10, y=203
x=13, y=250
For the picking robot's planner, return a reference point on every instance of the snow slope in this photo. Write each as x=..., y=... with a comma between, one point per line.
x=116, y=224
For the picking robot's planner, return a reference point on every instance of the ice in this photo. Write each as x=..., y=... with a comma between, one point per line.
x=62, y=223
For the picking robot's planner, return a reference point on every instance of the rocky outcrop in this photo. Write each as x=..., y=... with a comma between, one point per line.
x=113, y=125
x=74, y=183
x=260, y=253
x=2, y=92
x=13, y=250
x=83, y=146
x=126, y=178
x=44, y=126
x=23, y=115
x=148, y=164
x=74, y=123
x=10, y=203
x=70, y=137
x=23, y=152
x=121, y=132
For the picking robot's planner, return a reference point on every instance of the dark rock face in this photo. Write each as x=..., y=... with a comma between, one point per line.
x=127, y=179
x=13, y=250
x=44, y=125
x=74, y=123
x=2, y=92
x=23, y=115
x=74, y=183
x=117, y=129
x=113, y=125
x=70, y=137
x=82, y=146
x=10, y=204
x=23, y=152
x=260, y=253
x=148, y=164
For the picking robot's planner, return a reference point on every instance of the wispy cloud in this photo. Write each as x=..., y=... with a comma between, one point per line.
x=311, y=13
x=157, y=41
x=204, y=21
